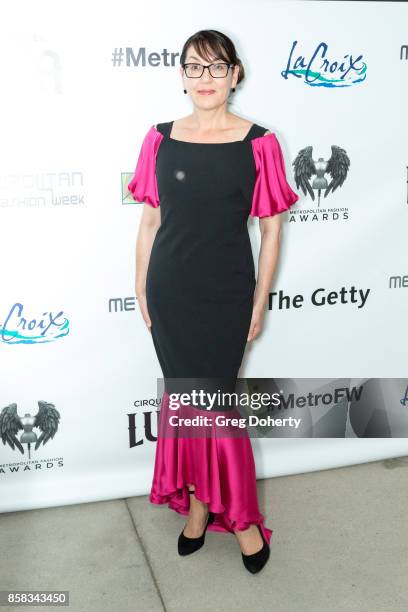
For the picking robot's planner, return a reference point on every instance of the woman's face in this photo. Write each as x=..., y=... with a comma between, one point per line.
x=219, y=87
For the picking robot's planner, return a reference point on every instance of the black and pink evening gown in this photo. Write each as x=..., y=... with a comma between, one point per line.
x=199, y=289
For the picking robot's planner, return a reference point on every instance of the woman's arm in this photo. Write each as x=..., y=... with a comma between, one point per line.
x=270, y=228
x=149, y=224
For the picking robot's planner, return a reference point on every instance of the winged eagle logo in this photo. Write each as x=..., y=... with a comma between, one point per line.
x=305, y=167
x=46, y=419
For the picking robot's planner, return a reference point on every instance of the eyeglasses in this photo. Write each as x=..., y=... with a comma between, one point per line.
x=218, y=71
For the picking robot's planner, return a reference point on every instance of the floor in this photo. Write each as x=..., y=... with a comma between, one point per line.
x=339, y=543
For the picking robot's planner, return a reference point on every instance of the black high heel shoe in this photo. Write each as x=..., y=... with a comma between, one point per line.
x=186, y=545
x=254, y=563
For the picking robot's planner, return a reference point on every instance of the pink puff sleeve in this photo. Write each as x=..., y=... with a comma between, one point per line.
x=272, y=193
x=143, y=185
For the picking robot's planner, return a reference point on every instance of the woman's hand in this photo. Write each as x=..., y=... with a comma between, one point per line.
x=141, y=298
x=255, y=328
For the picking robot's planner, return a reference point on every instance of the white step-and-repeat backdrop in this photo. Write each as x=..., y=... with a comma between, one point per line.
x=81, y=85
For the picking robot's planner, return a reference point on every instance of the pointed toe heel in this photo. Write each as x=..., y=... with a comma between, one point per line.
x=186, y=545
x=254, y=563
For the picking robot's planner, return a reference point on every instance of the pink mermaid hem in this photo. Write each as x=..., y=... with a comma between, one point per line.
x=222, y=470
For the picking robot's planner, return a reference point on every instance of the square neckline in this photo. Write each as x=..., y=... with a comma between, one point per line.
x=246, y=137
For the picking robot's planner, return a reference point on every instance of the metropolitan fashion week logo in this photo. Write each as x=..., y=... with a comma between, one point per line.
x=42, y=189
x=46, y=422
x=319, y=178
x=20, y=327
x=320, y=69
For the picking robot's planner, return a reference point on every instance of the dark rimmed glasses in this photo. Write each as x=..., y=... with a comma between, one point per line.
x=217, y=71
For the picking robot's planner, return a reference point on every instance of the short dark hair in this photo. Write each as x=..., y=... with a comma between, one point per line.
x=217, y=43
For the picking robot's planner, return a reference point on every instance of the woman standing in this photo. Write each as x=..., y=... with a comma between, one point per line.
x=201, y=177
